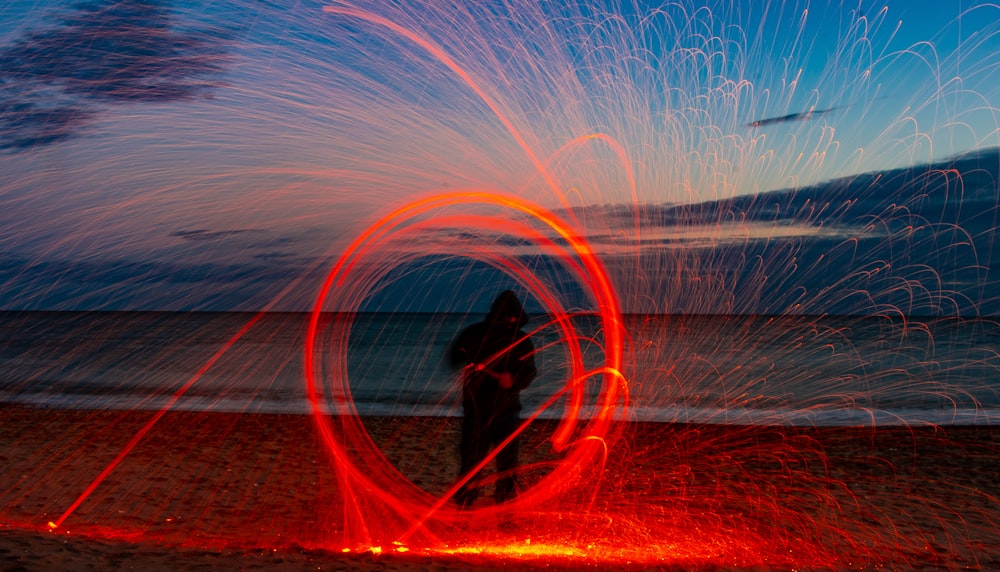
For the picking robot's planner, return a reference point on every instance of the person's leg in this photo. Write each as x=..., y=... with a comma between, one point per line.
x=506, y=458
x=473, y=449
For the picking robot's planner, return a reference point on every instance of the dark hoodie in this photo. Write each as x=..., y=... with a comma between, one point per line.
x=492, y=347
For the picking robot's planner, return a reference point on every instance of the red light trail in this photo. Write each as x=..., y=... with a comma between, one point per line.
x=643, y=179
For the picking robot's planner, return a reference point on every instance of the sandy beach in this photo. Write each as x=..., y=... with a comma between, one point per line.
x=230, y=491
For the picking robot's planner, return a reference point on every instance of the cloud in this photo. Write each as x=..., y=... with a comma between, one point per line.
x=54, y=80
x=929, y=193
x=128, y=284
x=802, y=116
x=916, y=239
x=29, y=121
x=205, y=234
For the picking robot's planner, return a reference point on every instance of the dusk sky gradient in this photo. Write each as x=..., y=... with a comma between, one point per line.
x=163, y=155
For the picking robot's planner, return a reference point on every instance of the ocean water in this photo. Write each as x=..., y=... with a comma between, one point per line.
x=704, y=369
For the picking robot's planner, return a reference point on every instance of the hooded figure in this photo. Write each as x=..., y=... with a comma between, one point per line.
x=497, y=362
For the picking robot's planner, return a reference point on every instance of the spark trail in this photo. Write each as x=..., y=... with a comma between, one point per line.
x=739, y=331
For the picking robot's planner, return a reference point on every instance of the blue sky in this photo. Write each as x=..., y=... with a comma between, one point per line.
x=158, y=155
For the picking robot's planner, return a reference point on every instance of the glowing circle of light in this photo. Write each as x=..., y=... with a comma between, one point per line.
x=359, y=462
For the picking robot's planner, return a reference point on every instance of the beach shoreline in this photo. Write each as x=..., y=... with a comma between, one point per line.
x=250, y=491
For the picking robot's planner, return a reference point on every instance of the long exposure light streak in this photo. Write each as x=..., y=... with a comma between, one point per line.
x=756, y=243
x=378, y=477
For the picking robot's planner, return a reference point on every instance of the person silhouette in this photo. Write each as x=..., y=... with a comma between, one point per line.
x=497, y=362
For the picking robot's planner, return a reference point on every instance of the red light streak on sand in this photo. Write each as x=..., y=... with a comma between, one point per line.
x=365, y=474
x=528, y=550
x=137, y=438
x=152, y=421
x=522, y=499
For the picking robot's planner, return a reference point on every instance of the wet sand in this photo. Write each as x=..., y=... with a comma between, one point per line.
x=230, y=491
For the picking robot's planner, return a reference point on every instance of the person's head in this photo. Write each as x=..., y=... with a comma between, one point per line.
x=507, y=309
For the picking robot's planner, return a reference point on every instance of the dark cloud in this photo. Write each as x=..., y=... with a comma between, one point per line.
x=929, y=193
x=205, y=234
x=921, y=239
x=53, y=80
x=499, y=240
x=802, y=116
x=268, y=256
x=35, y=121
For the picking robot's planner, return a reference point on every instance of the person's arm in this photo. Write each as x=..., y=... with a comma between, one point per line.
x=518, y=369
